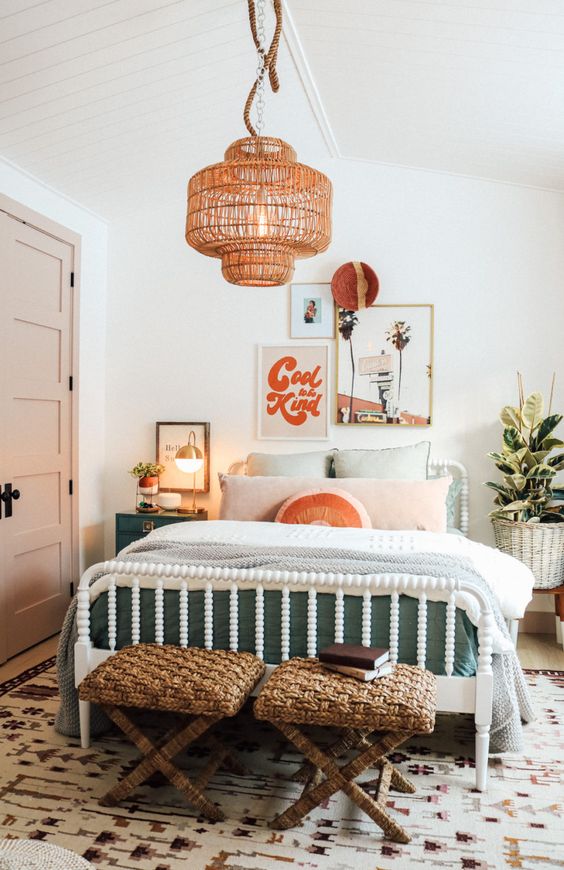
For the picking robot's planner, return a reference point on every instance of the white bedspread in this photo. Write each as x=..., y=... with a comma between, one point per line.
x=510, y=581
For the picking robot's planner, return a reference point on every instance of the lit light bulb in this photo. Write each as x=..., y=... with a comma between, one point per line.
x=262, y=214
x=189, y=465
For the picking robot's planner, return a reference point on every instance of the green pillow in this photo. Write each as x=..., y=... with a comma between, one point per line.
x=390, y=463
x=317, y=463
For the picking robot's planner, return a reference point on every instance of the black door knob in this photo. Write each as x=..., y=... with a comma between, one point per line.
x=16, y=494
x=6, y=496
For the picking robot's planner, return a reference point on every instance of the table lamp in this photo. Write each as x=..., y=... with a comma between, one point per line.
x=190, y=459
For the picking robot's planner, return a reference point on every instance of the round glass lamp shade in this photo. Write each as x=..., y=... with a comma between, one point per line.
x=258, y=211
x=189, y=459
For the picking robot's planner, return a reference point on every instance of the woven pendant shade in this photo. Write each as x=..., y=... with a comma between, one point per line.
x=258, y=211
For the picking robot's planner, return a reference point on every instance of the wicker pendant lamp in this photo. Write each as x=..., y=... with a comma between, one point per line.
x=260, y=209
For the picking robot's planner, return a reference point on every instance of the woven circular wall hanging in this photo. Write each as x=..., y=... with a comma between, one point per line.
x=355, y=285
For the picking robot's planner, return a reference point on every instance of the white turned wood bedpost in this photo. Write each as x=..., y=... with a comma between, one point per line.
x=422, y=630
x=183, y=614
x=312, y=622
x=285, y=624
x=112, y=615
x=450, y=629
x=208, y=616
x=484, y=697
x=233, y=618
x=259, y=621
x=366, y=617
x=394, y=627
x=82, y=660
x=135, y=612
x=339, y=615
x=159, y=612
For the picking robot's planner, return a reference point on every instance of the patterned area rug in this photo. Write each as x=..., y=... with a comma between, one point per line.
x=49, y=788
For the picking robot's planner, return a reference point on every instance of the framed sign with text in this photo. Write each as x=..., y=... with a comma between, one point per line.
x=293, y=392
x=170, y=438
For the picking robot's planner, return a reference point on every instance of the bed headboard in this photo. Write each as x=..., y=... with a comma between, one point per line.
x=437, y=468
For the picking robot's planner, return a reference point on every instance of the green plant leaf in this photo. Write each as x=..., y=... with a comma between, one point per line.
x=520, y=505
x=518, y=481
x=541, y=472
x=513, y=439
x=555, y=461
x=502, y=491
x=552, y=443
x=504, y=463
x=510, y=416
x=532, y=410
x=546, y=427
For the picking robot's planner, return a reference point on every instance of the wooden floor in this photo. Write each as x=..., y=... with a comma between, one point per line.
x=536, y=651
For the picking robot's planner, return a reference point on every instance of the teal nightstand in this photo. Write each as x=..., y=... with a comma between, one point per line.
x=132, y=526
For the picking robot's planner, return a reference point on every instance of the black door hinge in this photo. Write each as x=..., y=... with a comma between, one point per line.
x=71, y=383
x=72, y=589
x=72, y=279
x=70, y=487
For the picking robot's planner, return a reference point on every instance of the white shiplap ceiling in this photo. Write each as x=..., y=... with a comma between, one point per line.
x=117, y=102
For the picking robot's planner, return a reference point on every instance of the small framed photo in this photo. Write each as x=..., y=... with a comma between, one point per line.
x=170, y=438
x=312, y=311
x=293, y=397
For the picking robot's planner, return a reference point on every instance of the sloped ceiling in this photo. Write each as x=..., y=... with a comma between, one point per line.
x=474, y=87
x=117, y=102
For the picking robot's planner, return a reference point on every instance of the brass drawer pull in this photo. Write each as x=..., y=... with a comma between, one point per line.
x=148, y=525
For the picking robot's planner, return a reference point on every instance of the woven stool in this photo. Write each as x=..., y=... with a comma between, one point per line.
x=303, y=692
x=207, y=685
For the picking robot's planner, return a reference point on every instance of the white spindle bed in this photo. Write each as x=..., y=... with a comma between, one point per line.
x=455, y=693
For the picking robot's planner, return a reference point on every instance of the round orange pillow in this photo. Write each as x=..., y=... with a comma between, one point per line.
x=333, y=507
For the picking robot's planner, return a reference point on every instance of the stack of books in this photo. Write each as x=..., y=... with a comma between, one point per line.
x=362, y=662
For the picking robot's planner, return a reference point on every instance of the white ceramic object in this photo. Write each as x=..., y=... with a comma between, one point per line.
x=169, y=500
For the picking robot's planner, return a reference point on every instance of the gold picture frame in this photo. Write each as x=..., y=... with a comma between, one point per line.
x=377, y=362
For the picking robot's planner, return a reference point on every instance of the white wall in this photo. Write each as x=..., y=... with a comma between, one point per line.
x=92, y=342
x=182, y=342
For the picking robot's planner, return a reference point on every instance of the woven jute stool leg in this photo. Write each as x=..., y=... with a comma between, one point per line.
x=341, y=779
x=349, y=738
x=158, y=757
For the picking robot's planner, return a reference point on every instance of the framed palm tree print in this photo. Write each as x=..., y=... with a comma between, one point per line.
x=385, y=365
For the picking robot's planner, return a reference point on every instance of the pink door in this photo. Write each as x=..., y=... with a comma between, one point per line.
x=35, y=434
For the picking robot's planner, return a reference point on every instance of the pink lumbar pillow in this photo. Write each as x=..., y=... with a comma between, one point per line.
x=324, y=508
x=390, y=504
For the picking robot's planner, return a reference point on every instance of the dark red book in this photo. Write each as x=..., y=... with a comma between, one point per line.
x=354, y=655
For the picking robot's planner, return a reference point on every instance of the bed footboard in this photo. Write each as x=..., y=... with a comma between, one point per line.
x=455, y=694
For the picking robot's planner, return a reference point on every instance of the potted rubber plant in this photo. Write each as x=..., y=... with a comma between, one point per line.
x=528, y=518
x=147, y=474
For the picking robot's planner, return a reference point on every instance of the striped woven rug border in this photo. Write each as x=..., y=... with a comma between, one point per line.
x=26, y=675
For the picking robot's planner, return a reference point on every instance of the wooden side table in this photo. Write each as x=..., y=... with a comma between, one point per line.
x=132, y=526
x=558, y=592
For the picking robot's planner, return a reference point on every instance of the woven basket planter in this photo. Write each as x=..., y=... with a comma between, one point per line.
x=539, y=545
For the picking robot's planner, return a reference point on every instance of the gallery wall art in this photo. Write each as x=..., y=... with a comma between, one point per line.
x=312, y=311
x=293, y=392
x=384, y=365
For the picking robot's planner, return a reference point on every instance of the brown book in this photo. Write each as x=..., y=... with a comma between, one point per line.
x=354, y=655
x=360, y=673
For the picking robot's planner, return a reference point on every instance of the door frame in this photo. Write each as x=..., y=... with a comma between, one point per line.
x=34, y=219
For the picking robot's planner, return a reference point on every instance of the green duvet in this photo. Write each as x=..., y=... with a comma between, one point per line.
x=466, y=645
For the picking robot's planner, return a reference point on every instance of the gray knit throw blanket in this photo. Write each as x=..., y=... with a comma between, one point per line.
x=511, y=700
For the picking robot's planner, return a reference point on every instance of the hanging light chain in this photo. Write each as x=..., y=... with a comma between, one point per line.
x=261, y=68
x=266, y=61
